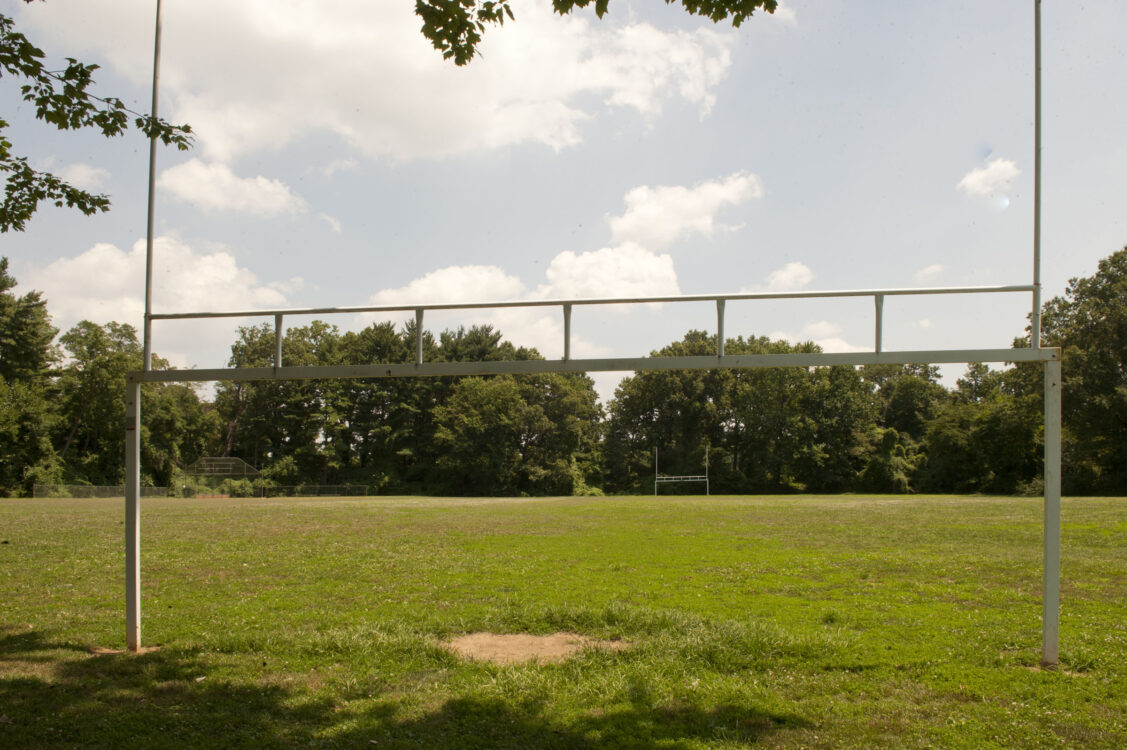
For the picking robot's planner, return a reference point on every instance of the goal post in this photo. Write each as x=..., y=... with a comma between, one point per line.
x=1049, y=358
x=221, y=466
x=660, y=478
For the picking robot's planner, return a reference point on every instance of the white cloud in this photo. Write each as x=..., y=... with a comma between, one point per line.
x=639, y=66
x=333, y=222
x=825, y=334
x=214, y=187
x=820, y=330
x=929, y=273
x=791, y=277
x=340, y=165
x=84, y=176
x=658, y=216
x=627, y=270
x=991, y=180
x=106, y=283
x=454, y=284
x=259, y=74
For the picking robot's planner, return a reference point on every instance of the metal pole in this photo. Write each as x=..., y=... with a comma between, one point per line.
x=419, y=336
x=1035, y=317
x=655, y=471
x=148, y=326
x=567, y=331
x=1050, y=616
x=278, y=341
x=878, y=300
x=719, y=328
x=133, y=513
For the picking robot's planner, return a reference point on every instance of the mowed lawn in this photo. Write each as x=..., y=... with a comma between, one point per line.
x=754, y=622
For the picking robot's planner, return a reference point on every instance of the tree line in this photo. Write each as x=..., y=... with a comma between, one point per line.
x=825, y=429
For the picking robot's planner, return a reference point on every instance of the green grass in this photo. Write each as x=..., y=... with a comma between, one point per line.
x=756, y=622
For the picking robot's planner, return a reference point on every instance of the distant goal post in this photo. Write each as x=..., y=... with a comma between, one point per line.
x=221, y=466
x=660, y=478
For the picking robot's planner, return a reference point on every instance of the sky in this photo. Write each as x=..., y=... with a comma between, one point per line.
x=340, y=161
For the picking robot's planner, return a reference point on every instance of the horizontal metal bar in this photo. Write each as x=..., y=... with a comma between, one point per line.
x=595, y=301
x=628, y=364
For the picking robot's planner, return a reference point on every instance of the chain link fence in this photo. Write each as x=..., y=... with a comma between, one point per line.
x=91, y=490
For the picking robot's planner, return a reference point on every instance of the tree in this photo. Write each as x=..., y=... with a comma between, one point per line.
x=765, y=430
x=562, y=451
x=911, y=396
x=62, y=98
x=890, y=467
x=978, y=384
x=839, y=410
x=391, y=420
x=27, y=417
x=178, y=428
x=1089, y=323
x=482, y=430
x=990, y=445
x=25, y=332
x=455, y=27
x=27, y=406
x=271, y=420
x=92, y=399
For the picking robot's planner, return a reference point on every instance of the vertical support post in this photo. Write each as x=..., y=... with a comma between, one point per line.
x=1050, y=615
x=567, y=331
x=418, y=335
x=878, y=301
x=148, y=326
x=133, y=512
x=277, y=341
x=655, y=471
x=719, y=328
x=1035, y=316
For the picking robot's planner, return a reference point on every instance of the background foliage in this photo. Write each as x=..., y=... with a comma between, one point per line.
x=831, y=429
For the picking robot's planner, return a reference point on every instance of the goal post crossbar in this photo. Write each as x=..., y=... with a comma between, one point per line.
x=676, y=479
x=719, y=300
x=621, y=364
x=584, y=301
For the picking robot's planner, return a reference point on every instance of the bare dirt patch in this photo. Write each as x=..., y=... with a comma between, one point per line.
x=518, y=648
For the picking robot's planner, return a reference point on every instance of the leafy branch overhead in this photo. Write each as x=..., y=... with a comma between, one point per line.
x=455, y=27
x=62, y=98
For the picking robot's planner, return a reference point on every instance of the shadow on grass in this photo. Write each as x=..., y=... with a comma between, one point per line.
x=473, y=723
x=50, y=696
x=58, y=695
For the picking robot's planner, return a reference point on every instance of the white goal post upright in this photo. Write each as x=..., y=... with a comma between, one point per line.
x=133, y=511
x=1050, y=589
x=1049, y=358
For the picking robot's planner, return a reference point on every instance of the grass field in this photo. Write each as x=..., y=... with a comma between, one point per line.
x=754, y=622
